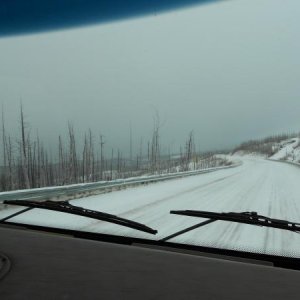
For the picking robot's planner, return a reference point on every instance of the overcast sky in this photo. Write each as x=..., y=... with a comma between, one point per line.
x=229, y=71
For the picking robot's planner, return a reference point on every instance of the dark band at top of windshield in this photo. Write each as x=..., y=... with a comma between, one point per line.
x=19, y=17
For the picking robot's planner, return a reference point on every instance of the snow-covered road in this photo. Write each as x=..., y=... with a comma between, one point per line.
x=268, y=187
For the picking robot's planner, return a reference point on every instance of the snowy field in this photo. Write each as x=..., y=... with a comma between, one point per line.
x=271, y=188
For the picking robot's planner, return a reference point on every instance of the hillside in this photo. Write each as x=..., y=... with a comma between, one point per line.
x=277, y=147
x=287, y=150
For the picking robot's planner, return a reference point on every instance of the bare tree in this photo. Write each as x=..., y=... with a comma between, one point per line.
x=23, y=150
x=155, y=144
x=73, y=166
x=4, y=149
x=11, y=183
x=101, y=157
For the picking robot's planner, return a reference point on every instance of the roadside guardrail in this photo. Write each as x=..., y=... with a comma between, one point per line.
x=75, y=191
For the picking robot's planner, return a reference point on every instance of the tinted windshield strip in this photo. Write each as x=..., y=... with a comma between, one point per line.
x=38, y=16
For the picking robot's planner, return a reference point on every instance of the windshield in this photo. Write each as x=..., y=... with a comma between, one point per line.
x=187, y=109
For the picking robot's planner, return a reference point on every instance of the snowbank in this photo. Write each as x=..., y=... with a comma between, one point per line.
x=288, y=150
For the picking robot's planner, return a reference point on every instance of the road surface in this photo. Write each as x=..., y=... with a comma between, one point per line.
x=271, y=188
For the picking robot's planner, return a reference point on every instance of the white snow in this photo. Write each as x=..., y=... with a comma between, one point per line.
x=287, y=150
x=268, y=187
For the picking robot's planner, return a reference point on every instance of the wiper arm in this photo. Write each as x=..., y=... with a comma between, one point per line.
x=251, y=218
x=66, y=207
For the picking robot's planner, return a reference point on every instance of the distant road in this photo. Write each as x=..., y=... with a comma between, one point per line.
x=268, y=187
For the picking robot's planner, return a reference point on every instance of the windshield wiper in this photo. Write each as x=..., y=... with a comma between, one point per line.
x=251, y=218
x=66, y=207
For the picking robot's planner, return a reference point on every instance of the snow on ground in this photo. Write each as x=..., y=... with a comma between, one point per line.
x=287, y=150
x=268, y=187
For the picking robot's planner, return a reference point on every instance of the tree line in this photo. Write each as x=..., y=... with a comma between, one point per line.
x=28, y=164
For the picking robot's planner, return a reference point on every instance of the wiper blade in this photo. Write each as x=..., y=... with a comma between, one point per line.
x=251, y=218
x=66, y=207
x=244, y=217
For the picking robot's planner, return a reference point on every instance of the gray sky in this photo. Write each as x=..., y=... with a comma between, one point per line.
x=230, y=71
